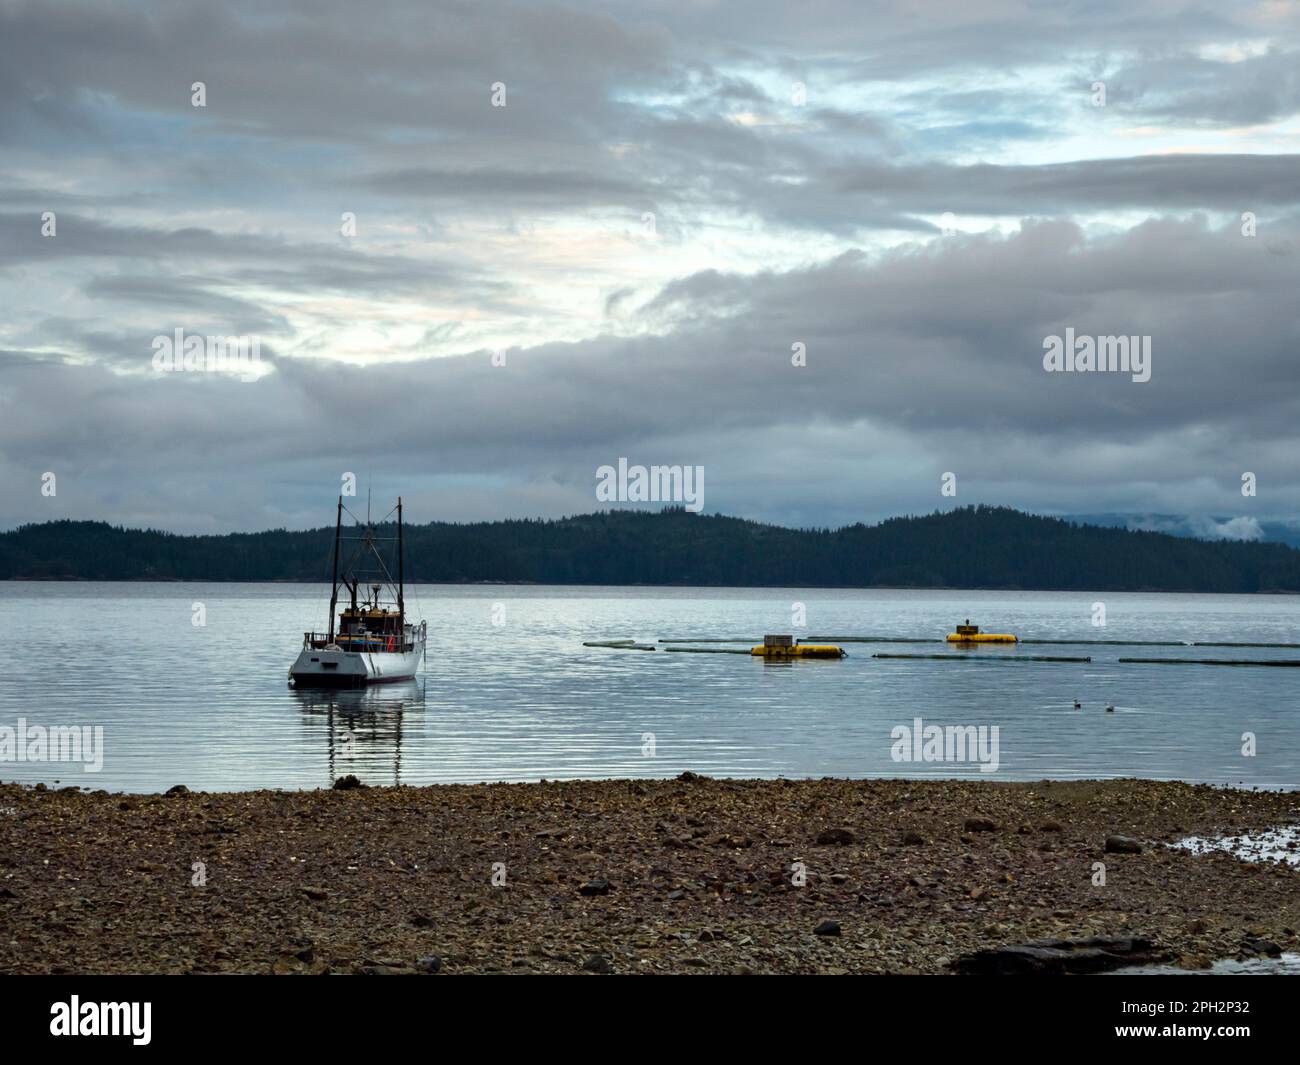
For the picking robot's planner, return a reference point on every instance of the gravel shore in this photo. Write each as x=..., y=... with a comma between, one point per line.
x=648, y=876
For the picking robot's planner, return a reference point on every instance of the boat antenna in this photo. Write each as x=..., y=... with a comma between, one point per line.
x=401, y=603
x=334, y=579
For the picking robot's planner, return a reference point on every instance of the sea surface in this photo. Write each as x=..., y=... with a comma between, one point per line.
x=509, y=692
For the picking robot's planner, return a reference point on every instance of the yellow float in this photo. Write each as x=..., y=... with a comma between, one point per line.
x=969, y=633
x=785, y=647
x=800, y=650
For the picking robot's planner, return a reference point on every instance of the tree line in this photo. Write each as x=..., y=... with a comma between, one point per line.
x=969, y=547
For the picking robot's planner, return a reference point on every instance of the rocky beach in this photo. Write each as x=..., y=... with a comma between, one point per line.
x=688, y=875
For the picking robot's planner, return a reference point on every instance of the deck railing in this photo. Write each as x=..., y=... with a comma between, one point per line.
x=371, y=642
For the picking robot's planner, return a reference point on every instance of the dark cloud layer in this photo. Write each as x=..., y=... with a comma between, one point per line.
x=647, y=230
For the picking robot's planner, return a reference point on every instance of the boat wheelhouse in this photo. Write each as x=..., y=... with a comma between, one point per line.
x=373, y=641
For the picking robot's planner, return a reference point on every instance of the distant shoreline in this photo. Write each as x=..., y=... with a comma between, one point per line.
x=580, y=584
x=977, y=548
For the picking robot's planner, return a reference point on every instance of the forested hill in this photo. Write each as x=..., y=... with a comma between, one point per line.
x=974, y=547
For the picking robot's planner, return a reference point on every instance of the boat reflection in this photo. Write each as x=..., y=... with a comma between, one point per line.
x=362, y=728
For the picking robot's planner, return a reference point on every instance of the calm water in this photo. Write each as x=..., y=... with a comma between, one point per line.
x=208, y=706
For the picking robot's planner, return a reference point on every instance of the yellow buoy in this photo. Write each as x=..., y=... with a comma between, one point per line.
x=969, y=633
x=800, y=650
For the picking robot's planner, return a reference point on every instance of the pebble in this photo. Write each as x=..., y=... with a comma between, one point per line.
x=838, y=836
x=382, y=859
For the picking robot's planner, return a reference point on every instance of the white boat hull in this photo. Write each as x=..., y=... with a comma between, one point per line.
x=354, y=669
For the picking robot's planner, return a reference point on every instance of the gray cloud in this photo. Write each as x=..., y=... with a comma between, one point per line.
x=889, y=367
x=1254, y=89
x=521, y=227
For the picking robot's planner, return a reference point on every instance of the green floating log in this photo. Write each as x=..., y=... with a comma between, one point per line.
x=989, y=658
x=1162, y=643
x=620, y=645
x=1114, y=643
x=1293, y=662
x=706, y=650
x=716, y=639
x=870, y=639
x=1200, y=643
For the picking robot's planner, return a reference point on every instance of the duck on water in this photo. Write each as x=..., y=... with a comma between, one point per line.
x=374, y=642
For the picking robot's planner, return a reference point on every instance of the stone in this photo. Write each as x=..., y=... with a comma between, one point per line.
x=597, y=963
x=594, y=887
x=837, y=836
x=347, y=783
x=1123, y=845
x=1043, y=956
x=980, y=824
x=827, y=928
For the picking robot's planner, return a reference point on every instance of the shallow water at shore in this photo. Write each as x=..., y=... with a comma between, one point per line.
x=1286, y=965
x=1278, y=845
x=510, y=693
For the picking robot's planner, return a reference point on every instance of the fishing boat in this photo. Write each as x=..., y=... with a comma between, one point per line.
x=374, y=641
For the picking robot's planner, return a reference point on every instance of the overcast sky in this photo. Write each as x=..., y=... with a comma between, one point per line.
x=622, y=259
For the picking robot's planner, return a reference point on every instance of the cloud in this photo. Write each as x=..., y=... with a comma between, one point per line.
x=1242, y=91
x=1243, y=528
x=646, y=230
x=899, y=387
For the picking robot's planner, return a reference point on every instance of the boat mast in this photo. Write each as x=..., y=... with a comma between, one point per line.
x=401, y=604
x=334, y=580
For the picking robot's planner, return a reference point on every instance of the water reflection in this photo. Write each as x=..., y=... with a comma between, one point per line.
x=527, y=700
x=361, y=729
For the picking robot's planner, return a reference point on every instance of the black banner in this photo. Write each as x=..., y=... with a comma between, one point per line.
x=151, y=1014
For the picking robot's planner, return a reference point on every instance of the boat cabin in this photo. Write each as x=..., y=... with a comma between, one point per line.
x=366, y=626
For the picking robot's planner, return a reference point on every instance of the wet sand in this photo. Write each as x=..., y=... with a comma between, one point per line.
x=652, y=876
